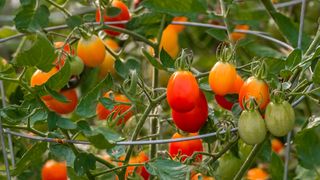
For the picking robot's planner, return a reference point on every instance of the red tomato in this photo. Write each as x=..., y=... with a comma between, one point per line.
x=53, y=170
x=62, y=107
x=103, y=112
x=222, y=77
x=223, y=102
x=186, y=148
x=122, y=16
x=182, y=91
x=257, y=89
x=193, y=120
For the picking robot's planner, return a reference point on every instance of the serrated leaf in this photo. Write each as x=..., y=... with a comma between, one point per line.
x=152, y=60
x=30, y=20
x=14, y=114
x=29, y=157
x=61, y=78
x=124, y=68
x=276, y=166
x=294, y=58
x=166, y=60
x=103, y=138
x=84, y=162
x=65, y=123
x=167, y=169
x=63, y=152
x=41, y=54
x=87, y=105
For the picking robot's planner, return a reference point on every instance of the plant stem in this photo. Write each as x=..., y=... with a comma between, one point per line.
x=61, y=8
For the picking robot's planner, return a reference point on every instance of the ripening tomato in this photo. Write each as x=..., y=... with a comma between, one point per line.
x=124, y=15
x=252, y=128
x=170, y=42
x=236, y=85
x=236, y=36
x=63, y=107
x=223, y=102
x=277, y=145
x=76, y=66
x=257, y=174
x=66, y=48
x=176, y=27
x=186, y=148
x=257, y=89
x=280, y=118
x=199, y=176
x=140, y=170
x=104, y=113
x=91, y=51
x=108, y=63
x=193, y=120
x=222, y=77
x=53, y=170
x=182, y=91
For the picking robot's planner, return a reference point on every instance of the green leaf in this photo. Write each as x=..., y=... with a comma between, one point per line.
x=177, y=7
x=84, y=162
x=316, y=74
x=294, y=58
x=30, y=20
x=276, y=166
x=41, y=54
x=65, y=123
x=74, y=21
x=63, y=152
x=7, y=31
x=167, y=169
x=61, y=78
x=307, y=144
x=103, y=137
x=52, y=121
x=113, y=11
x=107, y=103
x=14, y=114
x=56, y=95
x=123, y=68
x=302, y=173
x=87, y=105
x=219, y=34
x=2, y=3
x=34, y=153
x=152, y=60
x=31, y=3
x=166, y=60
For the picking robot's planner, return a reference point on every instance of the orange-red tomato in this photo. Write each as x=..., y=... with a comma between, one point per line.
x=176, y=27
x=223, y=102
x=257, y=174
x=182, y=91
x=277, y=145
x=186, y=148
x=62, y=107
x=58, y=45
x=193, y=120
x=222, y=77
x=91, y=51
x=124, y=15
x=236, y=36
x=104, y=113
x=53, y=170
x=170, y=42
x=141, y=170
x=107, y=65
x=202, y=177
x=256, y=89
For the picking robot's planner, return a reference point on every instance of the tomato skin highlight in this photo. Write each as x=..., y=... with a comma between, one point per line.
x=182, y=91
x=62, y=107
x=53, y=170
x=122, y=16
x=186, y=148
x=280, y=118
x=223, y=102
x=193, y=120
x=222, y=77
x=103, y=113
x=257, y=89
x=91, y=51
x=252, y=128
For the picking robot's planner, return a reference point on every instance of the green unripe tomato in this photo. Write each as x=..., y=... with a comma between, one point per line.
x=252, y=128
x=76, y=66
x=228, y=167
x=280, y=118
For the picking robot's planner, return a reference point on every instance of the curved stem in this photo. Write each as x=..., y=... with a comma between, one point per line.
x=61, y=8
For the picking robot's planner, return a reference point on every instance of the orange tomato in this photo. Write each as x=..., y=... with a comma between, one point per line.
x=236, y=85
x=277, y=145
x=257, y=174
x=176, y=27
x=222, y=77
x=107, y=65
x=122, y=16
x=141, y=170
x=236, y=36
x=62, y=107
x=53, y=170
x=202, y=177
x=58, y=45
x=104, y=113
x=170, y=42
x=186, y=148
x=39, y=77
x=91, y=51
x=256, y=89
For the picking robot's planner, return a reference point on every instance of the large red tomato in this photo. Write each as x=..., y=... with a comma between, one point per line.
x=256, y=89
x=122, y=16
x=193, y=120
x=186, y=148
x=182, y=91
x=62, y=107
